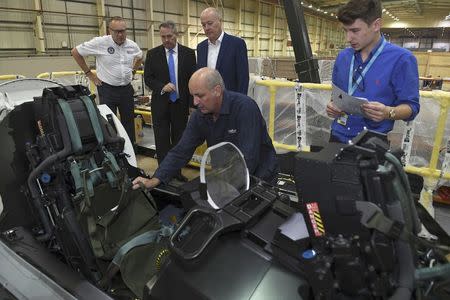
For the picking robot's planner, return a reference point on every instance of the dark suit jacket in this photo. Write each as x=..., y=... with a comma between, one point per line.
x=156, y=73
x=232, y=62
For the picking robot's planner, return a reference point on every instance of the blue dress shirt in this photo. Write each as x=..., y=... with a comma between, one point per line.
x=393, y=79
x=241, y=123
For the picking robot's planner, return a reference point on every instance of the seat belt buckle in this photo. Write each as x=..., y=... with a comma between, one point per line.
x=396, y=229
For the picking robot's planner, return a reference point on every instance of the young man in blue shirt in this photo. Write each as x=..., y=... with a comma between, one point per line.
x=372, y=68
x=221, y=116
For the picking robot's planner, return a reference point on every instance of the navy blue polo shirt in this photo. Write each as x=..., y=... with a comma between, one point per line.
x=393, y=79
x=241, y=123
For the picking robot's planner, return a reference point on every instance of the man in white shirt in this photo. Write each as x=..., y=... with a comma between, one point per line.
x=223, y=52
x=117, y=58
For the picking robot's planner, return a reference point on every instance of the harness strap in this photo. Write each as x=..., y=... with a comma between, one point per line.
x=122, y=204
x=76, y=175
x=148, y=196
x=110, y=164
x=72, y=126
x=372, y=217
x=145, y=238
x=94, y=119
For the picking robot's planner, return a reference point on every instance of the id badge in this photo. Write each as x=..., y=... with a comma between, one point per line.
x=343, y=119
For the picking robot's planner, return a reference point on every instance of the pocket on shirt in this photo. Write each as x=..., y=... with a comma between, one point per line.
x=128, y=60
x=231, y=137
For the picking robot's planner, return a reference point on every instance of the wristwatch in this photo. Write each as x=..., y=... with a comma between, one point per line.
x=392, y=113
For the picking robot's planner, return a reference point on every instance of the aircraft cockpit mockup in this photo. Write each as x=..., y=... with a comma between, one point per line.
x=72, y=227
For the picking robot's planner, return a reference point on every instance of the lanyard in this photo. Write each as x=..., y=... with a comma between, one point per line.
x=352, y=87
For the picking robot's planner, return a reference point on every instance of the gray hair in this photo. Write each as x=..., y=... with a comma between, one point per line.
x=169, y=24
x=213, y=10
x=213, y=78
x=117, y=19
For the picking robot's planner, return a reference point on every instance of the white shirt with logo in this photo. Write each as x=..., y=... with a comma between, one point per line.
x=114, y=63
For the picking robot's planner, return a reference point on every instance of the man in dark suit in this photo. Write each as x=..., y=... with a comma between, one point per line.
x=168, y=69
x=223, y=52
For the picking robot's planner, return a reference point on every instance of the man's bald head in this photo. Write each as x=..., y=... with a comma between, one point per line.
x=206, y=86
x=208, y=77
x=212, y=23
x=211, y=11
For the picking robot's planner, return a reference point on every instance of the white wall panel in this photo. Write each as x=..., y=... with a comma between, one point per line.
x=17, y=36
x=28, y=4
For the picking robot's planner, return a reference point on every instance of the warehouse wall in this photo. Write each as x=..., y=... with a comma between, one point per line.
x=68, y=23
x=39, y=64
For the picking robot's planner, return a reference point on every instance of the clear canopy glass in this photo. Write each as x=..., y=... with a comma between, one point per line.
x=224, y=171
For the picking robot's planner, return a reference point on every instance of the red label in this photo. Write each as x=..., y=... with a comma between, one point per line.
x=315, y=218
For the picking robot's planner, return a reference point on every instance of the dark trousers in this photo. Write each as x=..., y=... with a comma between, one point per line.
x=169, y=121
x=121, y=98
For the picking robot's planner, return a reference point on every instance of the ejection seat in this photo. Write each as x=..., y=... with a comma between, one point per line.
x=80, y=189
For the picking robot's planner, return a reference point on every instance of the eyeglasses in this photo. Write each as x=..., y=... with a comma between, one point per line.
x=118, y=31
x=356, y=74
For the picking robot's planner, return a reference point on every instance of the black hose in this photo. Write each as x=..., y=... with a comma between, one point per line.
x=66, y=151
x=405, y=182
x=405, y=258
x=434, y=272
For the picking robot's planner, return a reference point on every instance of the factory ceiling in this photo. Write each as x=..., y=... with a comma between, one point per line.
x=400, y=17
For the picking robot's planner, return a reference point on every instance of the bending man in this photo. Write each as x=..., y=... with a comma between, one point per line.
x=221, y=116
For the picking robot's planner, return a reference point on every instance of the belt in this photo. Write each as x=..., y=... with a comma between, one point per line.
x=115, y=86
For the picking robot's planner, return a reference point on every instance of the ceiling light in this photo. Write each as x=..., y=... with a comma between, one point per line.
x=310, y=6
x=384, y=9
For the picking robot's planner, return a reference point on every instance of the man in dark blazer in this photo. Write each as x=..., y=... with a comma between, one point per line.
x=170, y=96
x=223, y=52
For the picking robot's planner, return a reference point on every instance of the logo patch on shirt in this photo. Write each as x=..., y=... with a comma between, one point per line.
x=111, y=50
x=232, y=131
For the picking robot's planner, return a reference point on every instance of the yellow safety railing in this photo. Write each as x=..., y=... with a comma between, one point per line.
x=11, y=77
x=443, y=98
x=53, y=75
x=273, y=85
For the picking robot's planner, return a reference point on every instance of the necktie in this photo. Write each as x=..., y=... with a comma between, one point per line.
x=173, y=79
